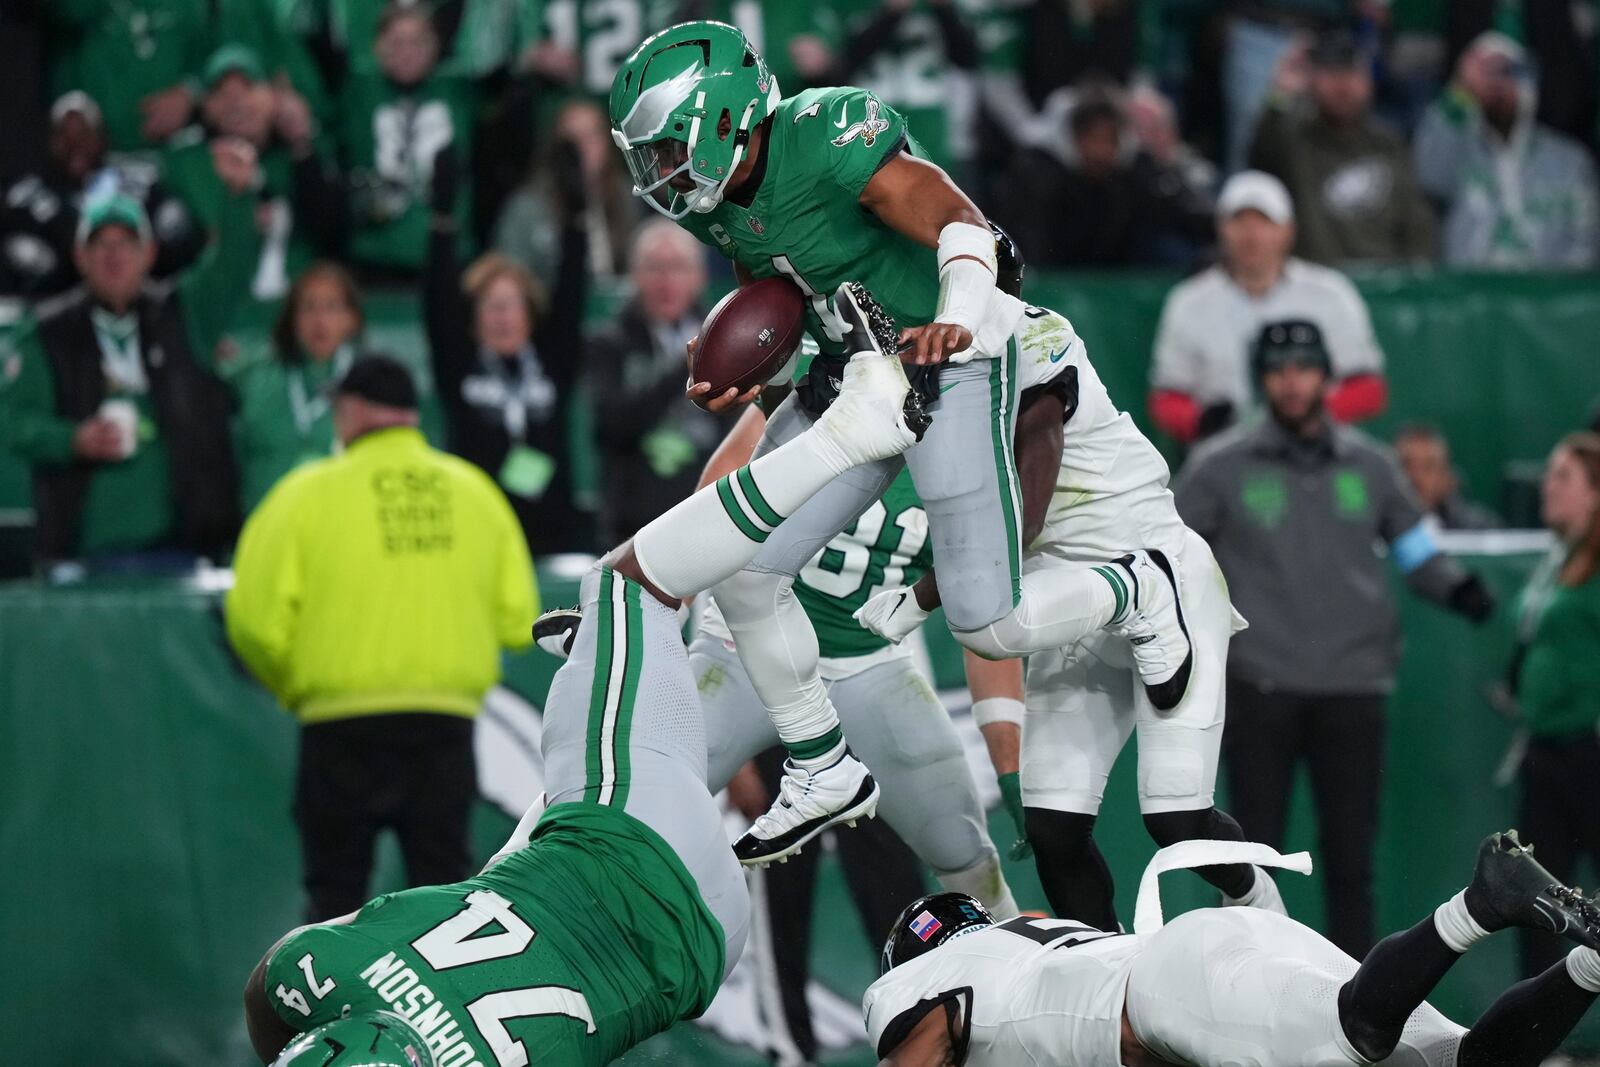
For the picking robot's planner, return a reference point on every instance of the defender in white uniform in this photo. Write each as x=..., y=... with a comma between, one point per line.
x=1225, y=987
x=1108, y=498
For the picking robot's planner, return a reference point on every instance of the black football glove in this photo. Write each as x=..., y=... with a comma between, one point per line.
x=1472, y=598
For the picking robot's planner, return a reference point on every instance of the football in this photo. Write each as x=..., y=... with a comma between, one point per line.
x=748, y=336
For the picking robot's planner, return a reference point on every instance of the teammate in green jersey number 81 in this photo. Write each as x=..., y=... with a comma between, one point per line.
x=682, y=109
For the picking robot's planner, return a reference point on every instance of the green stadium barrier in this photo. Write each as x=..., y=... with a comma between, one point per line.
x=150, y=856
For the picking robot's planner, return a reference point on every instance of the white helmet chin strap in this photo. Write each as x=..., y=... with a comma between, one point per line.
x=712, y=196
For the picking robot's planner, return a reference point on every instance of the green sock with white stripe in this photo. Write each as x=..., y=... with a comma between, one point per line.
x=714, y=533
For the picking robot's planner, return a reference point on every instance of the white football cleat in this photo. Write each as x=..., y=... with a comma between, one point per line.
x=893, y=614
x=808, y=803
x=1153, y=624
x=1264, y=895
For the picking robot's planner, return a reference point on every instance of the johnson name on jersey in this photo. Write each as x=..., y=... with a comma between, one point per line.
x=1027, y=991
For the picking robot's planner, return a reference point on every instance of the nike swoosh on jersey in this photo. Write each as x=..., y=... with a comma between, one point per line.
x=1057, y=357
x=844, y=114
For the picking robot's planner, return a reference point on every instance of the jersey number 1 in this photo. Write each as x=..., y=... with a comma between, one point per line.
x=454, y=943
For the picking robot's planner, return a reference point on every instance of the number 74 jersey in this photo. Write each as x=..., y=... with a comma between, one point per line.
x=568, y=952
x=1025, y=991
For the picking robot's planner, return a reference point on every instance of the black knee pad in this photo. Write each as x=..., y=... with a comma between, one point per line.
x=1063, y=833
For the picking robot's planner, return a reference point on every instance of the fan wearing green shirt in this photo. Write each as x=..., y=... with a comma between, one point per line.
x=1556, y=676
x=109, y=397
x=284, y=416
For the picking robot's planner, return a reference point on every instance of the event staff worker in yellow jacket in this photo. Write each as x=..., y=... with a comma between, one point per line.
x=373, y=594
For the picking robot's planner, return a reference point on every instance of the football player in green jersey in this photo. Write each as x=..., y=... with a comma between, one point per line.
x=827, y=187
x=617, y=908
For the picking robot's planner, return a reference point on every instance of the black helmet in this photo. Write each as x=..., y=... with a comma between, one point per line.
x=929, y=922
x=1008, y=262
x=1294, y=342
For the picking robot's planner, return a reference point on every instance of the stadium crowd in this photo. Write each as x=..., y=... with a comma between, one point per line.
x=200, y=199
x=461, y=151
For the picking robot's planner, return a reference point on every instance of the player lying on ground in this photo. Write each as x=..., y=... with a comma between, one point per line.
x=893, y=717
x=1106, y=491
x=1221, y=987
x=626, y=908
x=822, y=187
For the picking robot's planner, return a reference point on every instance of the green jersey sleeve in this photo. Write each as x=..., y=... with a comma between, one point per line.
x=862, y=133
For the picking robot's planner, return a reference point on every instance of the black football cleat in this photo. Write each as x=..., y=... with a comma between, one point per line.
x=1511, y=888
x=555, y=630
x=873, y=329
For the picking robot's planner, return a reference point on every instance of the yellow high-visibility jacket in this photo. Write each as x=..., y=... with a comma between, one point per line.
x=384, y=579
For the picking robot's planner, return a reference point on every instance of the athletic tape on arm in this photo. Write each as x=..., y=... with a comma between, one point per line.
x=1147, y=918
x=997, y=709
x=967, y=269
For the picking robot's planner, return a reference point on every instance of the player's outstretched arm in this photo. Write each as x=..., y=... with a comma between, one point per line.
x=915, y=198
x=997, y=707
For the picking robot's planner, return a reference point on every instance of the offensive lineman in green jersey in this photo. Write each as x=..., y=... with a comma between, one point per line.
x=823, y=188
x=616, y=909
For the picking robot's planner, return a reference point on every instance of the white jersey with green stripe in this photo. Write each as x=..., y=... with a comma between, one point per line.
x=1111, y=495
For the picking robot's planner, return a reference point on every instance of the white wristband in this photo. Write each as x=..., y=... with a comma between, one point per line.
x=997, y=709
x=966, y=274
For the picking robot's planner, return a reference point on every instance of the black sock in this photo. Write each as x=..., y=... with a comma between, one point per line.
x=1527, y=1022
x=1205, y=824
x=1074, y=874
x=1394, y=979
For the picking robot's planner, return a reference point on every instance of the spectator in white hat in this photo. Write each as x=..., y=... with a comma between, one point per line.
x=1200, y=377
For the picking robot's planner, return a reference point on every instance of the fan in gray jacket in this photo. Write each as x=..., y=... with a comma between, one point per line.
x=1515, y=194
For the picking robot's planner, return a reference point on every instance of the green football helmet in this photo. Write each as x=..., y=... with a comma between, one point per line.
x=365, y=1039
x=682, y=109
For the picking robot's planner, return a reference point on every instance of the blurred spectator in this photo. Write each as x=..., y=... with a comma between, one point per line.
x=1293, y=506
x=1200, y=378
x=373, y=595
x=39, y=212
x=1258, y=34
x=1354, y=193
x=1424, y=455
x=798, y=41
x=395, y=120
x=284, y=417
x=1067, y=43
x=597, y=191
x=241, y=104
x=138, y=58
x=108, y=398
x=1515, y=194
x=1556, y=678
x=505, y=360
x=1557, y=35
x=1103, y=200
x=917, y=56
x=1086, y=213
x=1179, y=184
x=653, y=444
